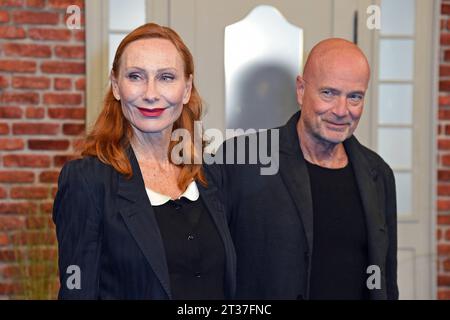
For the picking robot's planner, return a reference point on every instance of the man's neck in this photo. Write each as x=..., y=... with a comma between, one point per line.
x=320, y=152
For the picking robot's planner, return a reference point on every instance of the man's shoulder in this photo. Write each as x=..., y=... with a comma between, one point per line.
x=371, y=156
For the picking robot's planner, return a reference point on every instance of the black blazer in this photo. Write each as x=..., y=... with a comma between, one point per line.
x=271, y=218
x=105, y=224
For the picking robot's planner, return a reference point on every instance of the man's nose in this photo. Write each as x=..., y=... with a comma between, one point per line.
x=151, y=93
x=341, y=109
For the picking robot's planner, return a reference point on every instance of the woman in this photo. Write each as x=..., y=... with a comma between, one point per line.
x=130, y=223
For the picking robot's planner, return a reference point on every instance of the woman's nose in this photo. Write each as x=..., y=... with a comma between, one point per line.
x=151, y=93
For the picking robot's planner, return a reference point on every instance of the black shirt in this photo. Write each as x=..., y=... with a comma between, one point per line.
x=339, y=259
x=194, y=250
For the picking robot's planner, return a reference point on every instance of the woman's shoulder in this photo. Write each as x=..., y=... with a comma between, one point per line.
x=88, y=167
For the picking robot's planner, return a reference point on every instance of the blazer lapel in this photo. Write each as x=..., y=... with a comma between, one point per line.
x=367, y=180
x=210, y=199
x=138, y=214
x=295, y=175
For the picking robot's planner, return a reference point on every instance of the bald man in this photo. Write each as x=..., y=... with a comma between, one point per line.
x=324, y=226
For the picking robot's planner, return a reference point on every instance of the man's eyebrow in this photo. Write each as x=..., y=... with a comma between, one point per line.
x=357, y=92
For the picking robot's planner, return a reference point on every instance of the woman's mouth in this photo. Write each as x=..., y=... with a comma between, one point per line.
x=155, y=112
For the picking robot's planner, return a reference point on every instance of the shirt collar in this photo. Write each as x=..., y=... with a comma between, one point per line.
x=158, y=199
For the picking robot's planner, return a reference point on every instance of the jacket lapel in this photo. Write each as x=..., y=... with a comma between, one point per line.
x=210, y=199
x=367, y=180
x=295, y=175
x=139, y=217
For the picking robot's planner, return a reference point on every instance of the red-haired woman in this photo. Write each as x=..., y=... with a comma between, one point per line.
x=132, y=224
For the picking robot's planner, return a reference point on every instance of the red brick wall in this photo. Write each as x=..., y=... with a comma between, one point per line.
x=42, y=95
x=443, y=205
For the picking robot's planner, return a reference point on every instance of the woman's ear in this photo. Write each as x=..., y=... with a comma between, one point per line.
x=188, y=90
x=114, y=86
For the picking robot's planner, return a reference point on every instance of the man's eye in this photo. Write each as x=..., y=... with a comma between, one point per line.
x=327, y=93
x=356, y=97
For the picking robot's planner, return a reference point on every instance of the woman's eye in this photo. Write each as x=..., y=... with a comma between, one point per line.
x=134, y=76
x=167, y=77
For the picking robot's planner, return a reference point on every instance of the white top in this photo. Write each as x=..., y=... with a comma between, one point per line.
x=158, y=199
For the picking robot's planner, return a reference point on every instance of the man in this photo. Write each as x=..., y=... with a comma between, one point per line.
x=324, y=226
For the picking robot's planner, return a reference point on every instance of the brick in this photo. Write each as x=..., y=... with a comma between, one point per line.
x=60, y=160
x=4, y=128
x=29, y=192
x=73, y=128
x=31, y=82
x=67, y=113
x=443, y=280
x=4, y=16
x=49, y=34
x=17, y=66
x=4, y=82
x=79, y=35
x=62, y=84
x=63, y=67
x=33, y=222
x=11, y=223
x=16, y=176
x=63, y=4
x=444, y=71
x=443, y=219
x=444, y=101
x=35, y=238
x=48, y=144
x=29, y=161
x=444, y=249
x=36, y=128
x=445, y=160
x=27, y=50
x=444, y=144
x=18, y=208
x=443, y=205
x=443, y=295
x=3, y=193
x=36, y=3
x=447, y=235
x=445, y=9
x=46, y=207
x=444, y=190
x=12, y=32
x=3, y=239
x=11, y=144
x=447, y=129
x=10, y=112
x=445, y=39
x=80, y=84
x=33, y=17
x=35, y=113
x=11, y=3
x=49, y=176
x=446, y=265
x=62, y=98
x=438, y=234
x=70, y=52
x=20, y=97
x=444, y=114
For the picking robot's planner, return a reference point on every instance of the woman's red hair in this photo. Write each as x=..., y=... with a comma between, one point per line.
x=112, y=133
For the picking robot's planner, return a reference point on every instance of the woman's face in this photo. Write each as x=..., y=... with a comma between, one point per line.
x=151, y=85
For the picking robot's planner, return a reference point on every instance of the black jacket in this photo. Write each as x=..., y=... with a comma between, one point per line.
x=106, y=226
x=271, y=218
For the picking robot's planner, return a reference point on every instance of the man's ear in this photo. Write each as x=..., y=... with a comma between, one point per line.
x=188, y=90
x=114, y=85
x=300, y=87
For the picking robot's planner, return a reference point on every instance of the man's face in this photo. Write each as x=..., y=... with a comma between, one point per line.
x=332, y=100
